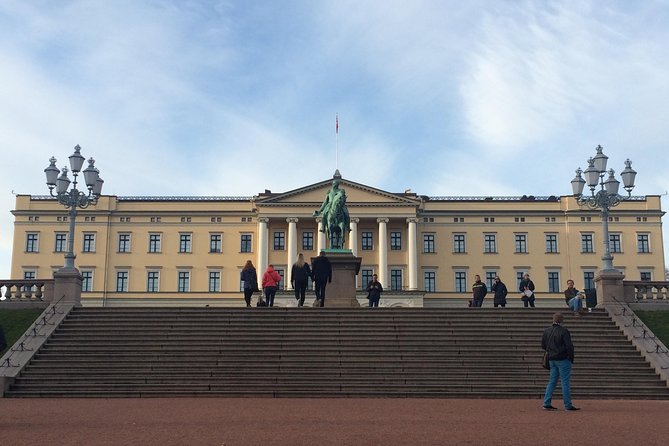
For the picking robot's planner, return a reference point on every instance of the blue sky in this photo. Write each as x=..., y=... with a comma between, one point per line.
x=234, y=97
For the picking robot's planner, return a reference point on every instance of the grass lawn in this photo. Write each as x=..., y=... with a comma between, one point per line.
x=15, y=322
x=658, y=322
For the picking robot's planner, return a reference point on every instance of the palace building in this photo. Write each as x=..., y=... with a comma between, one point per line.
x=176, y=249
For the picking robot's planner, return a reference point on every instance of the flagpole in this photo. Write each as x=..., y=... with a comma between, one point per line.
x=336, y=141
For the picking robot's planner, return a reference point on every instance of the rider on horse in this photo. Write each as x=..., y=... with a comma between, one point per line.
x=336, y=221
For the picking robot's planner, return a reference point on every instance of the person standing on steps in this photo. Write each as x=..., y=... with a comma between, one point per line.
x=322, y=272
x=479, y=291
x=250, y=279
x=270, y=284
x=500, y=291
x=526, y=288
x=556, y=340
x=374, y=290
x=299, y=278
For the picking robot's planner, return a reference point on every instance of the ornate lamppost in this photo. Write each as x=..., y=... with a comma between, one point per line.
x=73, y=198
x=606, y=197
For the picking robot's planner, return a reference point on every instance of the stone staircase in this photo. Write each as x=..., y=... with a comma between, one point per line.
x=327, y=352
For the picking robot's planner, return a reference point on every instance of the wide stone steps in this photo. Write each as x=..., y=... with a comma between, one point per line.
x=279, y=352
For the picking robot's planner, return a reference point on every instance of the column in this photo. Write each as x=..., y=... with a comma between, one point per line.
x=263, y=258
x=353, y=236
x=292, y=249
x=321, y=235
x=383, y=252
x=413, y=255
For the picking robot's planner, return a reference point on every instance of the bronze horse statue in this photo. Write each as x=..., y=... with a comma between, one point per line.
x=336, y=220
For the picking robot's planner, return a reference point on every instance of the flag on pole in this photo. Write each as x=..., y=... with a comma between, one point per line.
x=337, y=123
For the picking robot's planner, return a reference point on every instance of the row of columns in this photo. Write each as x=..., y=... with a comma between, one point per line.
x=412, y=252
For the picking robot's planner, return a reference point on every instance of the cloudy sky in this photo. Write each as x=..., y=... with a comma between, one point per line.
x=232, y=97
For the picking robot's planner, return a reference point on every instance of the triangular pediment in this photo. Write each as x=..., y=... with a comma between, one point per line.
x=357, y=195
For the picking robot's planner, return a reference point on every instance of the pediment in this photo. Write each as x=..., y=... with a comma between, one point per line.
x=357, y=195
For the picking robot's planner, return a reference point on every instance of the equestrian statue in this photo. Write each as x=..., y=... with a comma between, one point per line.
x=333, y=211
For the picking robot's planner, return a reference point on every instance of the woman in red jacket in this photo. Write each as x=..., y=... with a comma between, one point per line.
x=270, y=283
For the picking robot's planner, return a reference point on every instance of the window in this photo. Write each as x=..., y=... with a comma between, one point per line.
x=615, y=243
x=215, y=244
x=86, y=281
x=521, y=243
x=279, y=241
x=155, y=219
x=29, y=275
x=643, y=246
x=645, y=275
x=642, y=219
x=395, y=241
x=214, y=281
x=519, y=219
x=459, y=243
x=489, y=219
x=551, y=243
x=61, y=242
x=586, y=243
x=185, y=242
x=216, y=219
x=614, y=218
x=32, y=242
x=428, y=243
x=89, y=242
x=458, y=219
x=124, y=243
x=185, y=219
x=586, y=218
x=154, y=242
x=490, y=279
x=550, y=219
x=588, y=280
x=367, y=241
x=246, y=243
x=430, y=281
x=553, y=282
x=183, y=282
x=122, y=281
x=152, y=281
x=489, y=243
x=460, y=282
x=519, y=278
x=395, y=279
x=366, y=275
x=307, y=241
x=281, y=272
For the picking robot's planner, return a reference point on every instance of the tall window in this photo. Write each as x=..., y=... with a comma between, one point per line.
x=122, y=281
x=459, y=243
x=395, y=279
x=490, y=278
x=366, y=275
x=645, y=275
x=214, y=281
x=460, y=282
x=183, y=282
x=185, y=242
x=615, y=244
x=551, y=243
x=430, y=281
x=553, y=282
x=154, y=242
x=89, y=242
x=124, y=243
x=428, y=243
x=86, y=281
x=307, y=241
x=642, y=243
x=588, y=280
x=367, y=241
x=215, y=243
x=489, y=243
x=521, y=243
x=281, y=272
x=32, y=242
x=279, y=241
x=519, y=277
x=586, y=243
x=395, y=241
x=246, y=243
x=152, y=281
x=61, y=242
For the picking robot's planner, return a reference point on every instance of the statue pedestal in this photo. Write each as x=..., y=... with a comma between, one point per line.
x=341, y=291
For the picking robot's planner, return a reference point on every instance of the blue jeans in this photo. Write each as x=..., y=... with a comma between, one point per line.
x=559, y=369
x=575, y=304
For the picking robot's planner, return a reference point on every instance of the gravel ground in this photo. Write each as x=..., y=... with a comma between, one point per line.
x=252, y=421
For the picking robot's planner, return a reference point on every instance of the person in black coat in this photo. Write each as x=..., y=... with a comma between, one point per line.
x=527, y=288
x=322, y=272
x=250, y=279
x=374, y=290
x=556, y=340
x=500, y=293
x=479, y=291
x=299, y=278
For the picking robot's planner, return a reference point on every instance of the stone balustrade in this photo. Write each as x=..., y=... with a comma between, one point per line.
x=641, y=291
x=27, y=290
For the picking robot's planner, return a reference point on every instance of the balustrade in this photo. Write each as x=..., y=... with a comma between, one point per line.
x=650, y=290
x=25, y=290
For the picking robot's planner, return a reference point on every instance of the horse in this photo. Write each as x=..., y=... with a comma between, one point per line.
x=336, y=222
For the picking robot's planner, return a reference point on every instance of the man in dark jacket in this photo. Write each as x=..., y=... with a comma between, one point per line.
x=479, y=290
x=556, y=340
x=570, y=292
x=374, y=290
x=322, y=271
x=500, y=292
x=526, y=287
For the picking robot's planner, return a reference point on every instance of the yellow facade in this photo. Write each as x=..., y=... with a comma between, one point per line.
x=129, y=247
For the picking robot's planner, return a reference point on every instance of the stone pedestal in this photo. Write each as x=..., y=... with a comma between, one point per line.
x=609, y=285
x=341, y=291
x=67, y=287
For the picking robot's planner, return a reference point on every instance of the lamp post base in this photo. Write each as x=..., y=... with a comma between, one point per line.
x=609, y=285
